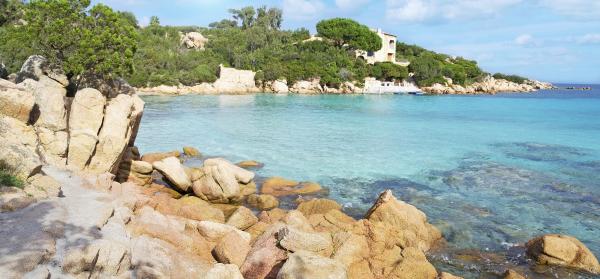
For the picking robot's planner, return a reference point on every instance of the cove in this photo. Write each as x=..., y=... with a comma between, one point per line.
x=489, y=171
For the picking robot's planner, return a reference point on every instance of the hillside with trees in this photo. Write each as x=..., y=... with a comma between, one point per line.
x=99, y=41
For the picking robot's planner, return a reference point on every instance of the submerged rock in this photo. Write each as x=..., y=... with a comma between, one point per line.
x=153, y=157
x=562, y=250
x=191, y=151
x=540, y=152
x=278, y=186
x=249, y=164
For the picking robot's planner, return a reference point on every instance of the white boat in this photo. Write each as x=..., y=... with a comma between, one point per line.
x=373, y=86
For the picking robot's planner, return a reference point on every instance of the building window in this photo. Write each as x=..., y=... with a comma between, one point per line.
x=370, y=54
x=392, y=44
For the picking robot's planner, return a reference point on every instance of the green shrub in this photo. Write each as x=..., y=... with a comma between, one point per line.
x=513, y=78
x=347, y=32
x=7, y=177
x=389, y=71
x=429, y=66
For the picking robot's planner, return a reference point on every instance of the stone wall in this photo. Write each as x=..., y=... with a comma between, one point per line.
x=234, y=80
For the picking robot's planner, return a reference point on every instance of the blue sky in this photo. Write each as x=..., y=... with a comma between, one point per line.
x=551, y=40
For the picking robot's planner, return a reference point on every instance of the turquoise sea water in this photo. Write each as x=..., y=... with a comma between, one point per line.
x=490, y=171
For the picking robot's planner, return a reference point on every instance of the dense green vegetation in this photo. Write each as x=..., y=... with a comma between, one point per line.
x=10, y=11
x=430, y=67
x=346, y=32
x=389, y=71
x=513, y=78
x=80, y=40
x=251, y=40
x=99, y=41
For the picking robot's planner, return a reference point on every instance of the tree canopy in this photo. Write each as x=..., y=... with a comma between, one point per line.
x=154, y=21
x=389, y=71
x=513, y=78
x=250, y=17
x=430, y=67
x=347, y=32
x=99, y=41
x=10, y=11
x=79, y=40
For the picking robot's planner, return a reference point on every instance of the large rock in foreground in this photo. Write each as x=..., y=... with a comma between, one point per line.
x=219, y=181
x=16, y=102
x=562, y=250
x=18, y=144
x=51, y=126
x=173, y=171
x=115, y=134
x=85, y=120
x=305, y=265
x=411, y=221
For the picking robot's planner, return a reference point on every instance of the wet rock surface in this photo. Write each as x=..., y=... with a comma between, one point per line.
x=562, y=250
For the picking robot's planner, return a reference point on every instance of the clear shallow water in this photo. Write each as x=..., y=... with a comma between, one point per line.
x=489, y=171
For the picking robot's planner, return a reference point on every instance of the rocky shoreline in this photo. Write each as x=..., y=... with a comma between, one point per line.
x=233, y=81
x=92, y=206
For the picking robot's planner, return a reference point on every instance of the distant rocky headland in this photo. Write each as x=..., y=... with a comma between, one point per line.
x=78, y=200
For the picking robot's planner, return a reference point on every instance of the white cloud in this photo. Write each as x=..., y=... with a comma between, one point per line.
x=409, y=10
x=524, y=40
x=302, y=9
x=581, y=9
x=436, y=10
x=589, y=39
x=350, y=4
